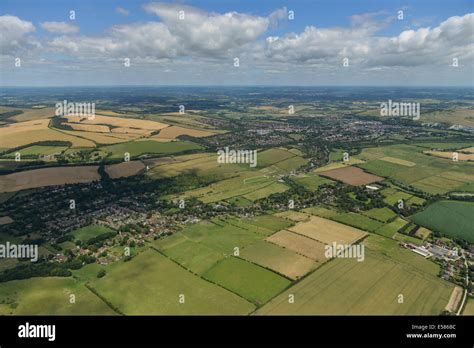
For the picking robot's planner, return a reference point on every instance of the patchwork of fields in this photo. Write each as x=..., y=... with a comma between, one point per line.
x=411, y=166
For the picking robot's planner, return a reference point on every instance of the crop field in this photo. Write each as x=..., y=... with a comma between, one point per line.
x=29, y=132
x=357, y=220
x=241, y=185
x=124, y=169
x=99, y=138
x=390, y=229
x=266, y=191
x=85, y=233
x=201, y=164
x=48, y=177
x=392, y=196
x=310, y=181
x=175, y=131
x=449, y=155
x=36, y=151
x=430, y=174
x=380, y=214
x=278, y=259
x=450, y=218
x=398, y=161
x=327, y=231
x=139, y=148
x=272, y=156
x=348, y=287
x=351, y=175
x=293, y=215
x=198, y=247
x=29, y=114
x=159, y=282
x=300, y=244
x=49, y=296
x=250, y=281
x=119, y=122
x=88, y=127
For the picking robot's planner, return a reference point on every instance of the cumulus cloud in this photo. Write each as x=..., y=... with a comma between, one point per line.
x=211, y=34
x=359, y=43
x=60, y=27
x=15, y=38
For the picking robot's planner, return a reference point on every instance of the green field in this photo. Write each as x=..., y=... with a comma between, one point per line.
x=356, y=220
x=272, y=156
x=371, y=287
x=49, y=296
x=85, y=233
x=198, y=247
x=380, y=214
x=450, y=218
x=428, y=174
x=250, y=281
x=388, y=230
x=36, y=150
x=311, y=181
x=138, y=148
x=151, y=284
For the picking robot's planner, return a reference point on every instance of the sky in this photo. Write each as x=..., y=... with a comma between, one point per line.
x=245, y=42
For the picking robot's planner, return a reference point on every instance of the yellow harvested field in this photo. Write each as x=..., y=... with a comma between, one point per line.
x=31, y=114
x=120, y=122
x=449, y=155
x=124, y=169
x=88, y=127
x=455, y=299
x=328, y=231
x=98, y=138
x=174, y=131
x=467, y=149
x=24, y=133
x=5, y=220
x=302, y=245
x=123, y=130
x=110, y=113
x=398, y=161
x=48, y=177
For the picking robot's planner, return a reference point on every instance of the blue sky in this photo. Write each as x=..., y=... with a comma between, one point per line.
x=381, y=50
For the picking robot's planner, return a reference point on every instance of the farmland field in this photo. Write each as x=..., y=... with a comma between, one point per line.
x=427, y=174
x=278, y=259
x=327, y=231
x=351, y=175
x=124, y=169
x=49, y=296
x=48, y=177
x=158, y=283
x=300, y=244
x=450, y=218
x=372, y=287
x=138, y=148
x=250, y=281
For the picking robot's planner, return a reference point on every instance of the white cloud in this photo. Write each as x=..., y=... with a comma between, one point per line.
x=14, y=35
x=211, y=34
x=122, y=11
x=60, y=27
